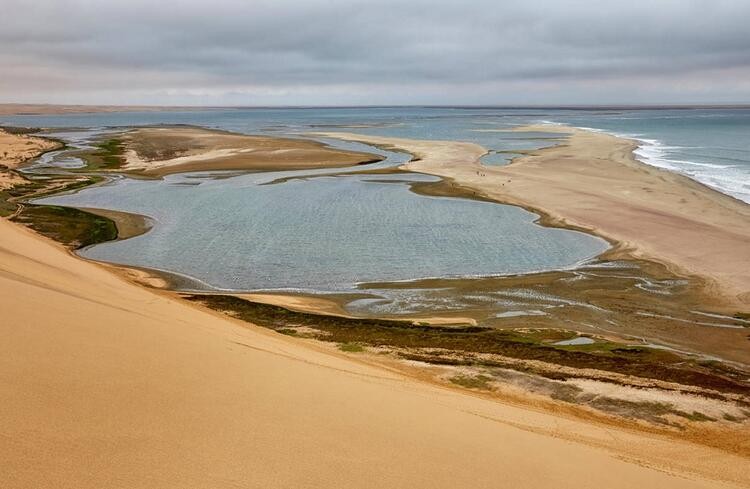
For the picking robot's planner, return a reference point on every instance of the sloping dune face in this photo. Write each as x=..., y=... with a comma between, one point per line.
x=105, y=384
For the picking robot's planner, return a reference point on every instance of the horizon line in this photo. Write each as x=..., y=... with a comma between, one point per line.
x=644, y=106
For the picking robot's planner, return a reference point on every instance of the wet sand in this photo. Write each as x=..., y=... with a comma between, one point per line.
x=333, y=305
x=593, y=182
x=162, y=151
x=128, y=225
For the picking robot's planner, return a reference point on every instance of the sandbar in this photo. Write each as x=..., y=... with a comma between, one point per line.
x=166, y=150
x=593, y=182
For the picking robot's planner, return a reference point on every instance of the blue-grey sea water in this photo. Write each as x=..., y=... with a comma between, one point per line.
x=329, y=233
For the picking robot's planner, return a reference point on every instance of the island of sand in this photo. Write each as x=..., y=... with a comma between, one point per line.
x=159, y=151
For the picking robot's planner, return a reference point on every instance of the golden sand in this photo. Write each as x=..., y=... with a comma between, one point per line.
x=107, y=384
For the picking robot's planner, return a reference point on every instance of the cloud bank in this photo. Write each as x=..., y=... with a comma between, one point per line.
x=330, y=52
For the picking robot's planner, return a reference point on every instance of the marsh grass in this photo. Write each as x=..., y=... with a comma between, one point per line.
x=108, y=155
x=472, y=381
x=458, y=345
x=71, y=227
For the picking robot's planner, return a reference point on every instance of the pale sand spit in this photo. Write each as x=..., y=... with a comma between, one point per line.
x=593, y=182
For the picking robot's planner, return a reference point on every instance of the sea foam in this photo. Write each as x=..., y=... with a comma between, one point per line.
x=727, y=179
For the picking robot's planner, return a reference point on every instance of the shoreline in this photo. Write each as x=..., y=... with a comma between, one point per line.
x=446, y=187
x=128, y=224
x=642, y=154
x=523, y=182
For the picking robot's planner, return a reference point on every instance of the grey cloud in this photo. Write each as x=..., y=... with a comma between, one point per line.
x=331, y=52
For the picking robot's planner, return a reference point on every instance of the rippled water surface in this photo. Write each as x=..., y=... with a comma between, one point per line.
x=324, y=234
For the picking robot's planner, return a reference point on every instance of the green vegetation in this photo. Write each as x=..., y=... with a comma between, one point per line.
x=472, y=382
x=351, y=347
x=6, y=208
x=287, y=331
x=108, y=155
x=20, y=130
x=72, y=227
x=458, y=345
x=694, y=416
x=40, y=187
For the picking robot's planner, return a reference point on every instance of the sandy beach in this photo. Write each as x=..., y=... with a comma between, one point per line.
x=593, y=182
x=107, y=384
x=356, y=245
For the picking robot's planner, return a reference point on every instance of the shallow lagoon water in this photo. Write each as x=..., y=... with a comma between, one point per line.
x=324, y=234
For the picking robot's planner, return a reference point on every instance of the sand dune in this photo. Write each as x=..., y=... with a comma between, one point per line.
x=52, y=109
x=107, y=384
x=593, y=182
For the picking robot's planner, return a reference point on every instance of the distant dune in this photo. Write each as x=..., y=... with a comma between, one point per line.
x=51, y=109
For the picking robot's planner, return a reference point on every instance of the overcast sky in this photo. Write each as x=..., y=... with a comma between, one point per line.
x=318, y=52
